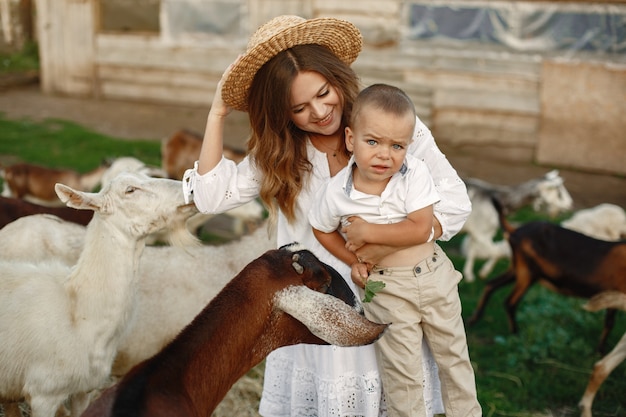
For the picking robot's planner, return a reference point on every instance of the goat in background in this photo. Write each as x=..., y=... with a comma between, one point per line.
x=181, y=150
x=604, y=221
x=35, y=183
x=277, y=300
x=544, y=193
x=564, y=261
x=12, y=209
x=25, y=183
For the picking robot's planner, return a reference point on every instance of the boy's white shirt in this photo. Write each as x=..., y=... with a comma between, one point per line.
x=410, y=189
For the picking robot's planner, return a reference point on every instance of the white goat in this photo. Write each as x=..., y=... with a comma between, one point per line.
x=547, y=192
x=71, y=320
x=174, y=284
x=604, y=221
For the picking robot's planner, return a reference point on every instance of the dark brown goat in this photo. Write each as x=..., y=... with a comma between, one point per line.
x=181, y=150
x=275, y=301
x=564, y=261
x=12, y=209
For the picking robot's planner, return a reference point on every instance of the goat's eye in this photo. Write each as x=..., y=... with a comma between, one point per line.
x=130, y=189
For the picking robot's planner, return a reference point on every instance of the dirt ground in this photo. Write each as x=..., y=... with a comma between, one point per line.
x=155, y=121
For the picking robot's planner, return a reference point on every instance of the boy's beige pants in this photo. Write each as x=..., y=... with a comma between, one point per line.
x=422, y=301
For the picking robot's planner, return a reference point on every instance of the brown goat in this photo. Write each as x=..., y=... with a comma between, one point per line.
x=12, y=209
x=181, y=150
x=603, y=367
x=35, y=183
x=275, y=301
x=564, y=261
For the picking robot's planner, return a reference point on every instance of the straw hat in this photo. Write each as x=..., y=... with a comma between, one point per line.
x=281, y=33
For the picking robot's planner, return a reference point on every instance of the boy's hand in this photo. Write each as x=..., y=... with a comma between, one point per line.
x=359, y=274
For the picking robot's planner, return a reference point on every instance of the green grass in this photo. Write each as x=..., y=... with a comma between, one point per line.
x=25, y=60
x=62, y=144
x=542, y=371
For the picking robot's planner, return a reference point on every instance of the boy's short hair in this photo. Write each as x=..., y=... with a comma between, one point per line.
x=385, y=97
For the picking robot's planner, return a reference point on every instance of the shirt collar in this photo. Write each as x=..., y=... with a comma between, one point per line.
x=348, y=182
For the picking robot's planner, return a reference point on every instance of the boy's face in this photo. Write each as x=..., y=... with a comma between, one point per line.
x=379, y=142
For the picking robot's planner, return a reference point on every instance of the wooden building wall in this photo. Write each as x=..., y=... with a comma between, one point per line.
x=497, y=101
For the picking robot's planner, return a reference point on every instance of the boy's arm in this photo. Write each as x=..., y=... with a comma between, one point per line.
x=415, y=230
x=336, y=245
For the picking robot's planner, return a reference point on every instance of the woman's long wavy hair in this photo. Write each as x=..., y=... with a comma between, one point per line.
x=277, y=146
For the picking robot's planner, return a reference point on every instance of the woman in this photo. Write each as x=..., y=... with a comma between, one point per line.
x=297, y=86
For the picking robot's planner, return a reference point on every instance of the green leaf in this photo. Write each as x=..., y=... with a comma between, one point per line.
x=371, y=288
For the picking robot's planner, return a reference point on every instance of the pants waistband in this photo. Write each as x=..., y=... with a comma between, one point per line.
x=425, y=265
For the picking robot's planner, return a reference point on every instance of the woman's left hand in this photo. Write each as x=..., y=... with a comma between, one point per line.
x=371, y=254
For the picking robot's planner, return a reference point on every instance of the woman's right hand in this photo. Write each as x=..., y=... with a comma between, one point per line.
x=218, y=107
x=213, y=142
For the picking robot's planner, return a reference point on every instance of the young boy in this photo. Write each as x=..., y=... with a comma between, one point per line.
x=385, y=197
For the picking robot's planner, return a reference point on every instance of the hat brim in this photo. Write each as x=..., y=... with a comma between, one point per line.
x=340, y=36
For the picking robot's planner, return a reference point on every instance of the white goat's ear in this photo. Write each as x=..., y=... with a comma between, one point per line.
x=76, y=199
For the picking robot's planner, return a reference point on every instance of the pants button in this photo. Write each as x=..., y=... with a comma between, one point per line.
x=418, y=269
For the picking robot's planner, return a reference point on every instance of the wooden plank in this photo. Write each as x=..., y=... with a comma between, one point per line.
x=348, y=10
x=198, y=95
x=149, y=51
x=78, y=33
x=585, y=127
x=157, y=76
x=483, y=127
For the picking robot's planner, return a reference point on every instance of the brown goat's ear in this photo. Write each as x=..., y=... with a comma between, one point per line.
x=295, y=258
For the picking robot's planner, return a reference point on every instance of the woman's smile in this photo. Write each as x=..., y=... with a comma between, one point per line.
x=326, y=120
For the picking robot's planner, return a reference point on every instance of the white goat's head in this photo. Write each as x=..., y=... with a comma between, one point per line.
x=136, y=204
x=552, y=195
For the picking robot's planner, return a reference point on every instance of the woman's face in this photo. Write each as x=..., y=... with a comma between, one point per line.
x=316, y=106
